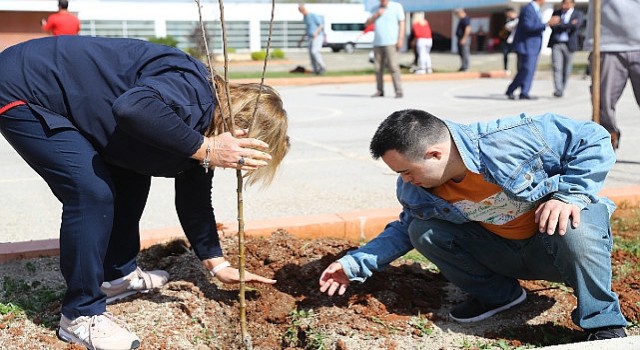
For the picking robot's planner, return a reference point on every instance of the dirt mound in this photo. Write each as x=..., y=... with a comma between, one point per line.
x=403, y=307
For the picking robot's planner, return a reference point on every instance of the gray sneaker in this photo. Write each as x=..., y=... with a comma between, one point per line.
x=99, y=332
x=136, y=282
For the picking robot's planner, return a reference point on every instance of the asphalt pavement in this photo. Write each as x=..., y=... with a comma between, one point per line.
x=328, y=169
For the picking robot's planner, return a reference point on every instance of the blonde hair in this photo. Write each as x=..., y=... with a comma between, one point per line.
x=418, y=17
x=270, y=124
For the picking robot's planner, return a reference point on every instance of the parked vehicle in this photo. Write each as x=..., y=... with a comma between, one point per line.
x=347, y=32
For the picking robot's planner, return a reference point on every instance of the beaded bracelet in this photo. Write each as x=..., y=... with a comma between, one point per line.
x=219, y=268
x=206, y=162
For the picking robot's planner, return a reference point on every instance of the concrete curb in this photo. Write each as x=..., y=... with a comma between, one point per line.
x=609, y=344
x=355, y=226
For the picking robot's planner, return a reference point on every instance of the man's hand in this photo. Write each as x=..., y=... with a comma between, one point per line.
x=333, y=278
x=554, y=214
x=554, y=20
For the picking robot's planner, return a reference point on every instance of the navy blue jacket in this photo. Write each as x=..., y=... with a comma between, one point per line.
x=143, y=106
x=528, y=37
x=570, y=28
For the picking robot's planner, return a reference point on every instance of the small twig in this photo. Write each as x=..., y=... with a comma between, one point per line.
x=264, y=65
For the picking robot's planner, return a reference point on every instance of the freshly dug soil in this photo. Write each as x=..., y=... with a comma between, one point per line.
x=403, y=307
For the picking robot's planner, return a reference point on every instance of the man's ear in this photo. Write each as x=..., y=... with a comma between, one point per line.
x=435, y=152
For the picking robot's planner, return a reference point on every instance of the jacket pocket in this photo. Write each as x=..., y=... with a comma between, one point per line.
x=530, y=182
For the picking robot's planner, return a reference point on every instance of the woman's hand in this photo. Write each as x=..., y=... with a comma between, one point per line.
x=222, y=270
x=239, y=152
x=232, y=275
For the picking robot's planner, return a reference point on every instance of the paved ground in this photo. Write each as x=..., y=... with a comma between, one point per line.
x=329, y=169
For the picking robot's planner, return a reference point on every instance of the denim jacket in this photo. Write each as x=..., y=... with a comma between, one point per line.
x=533, y=159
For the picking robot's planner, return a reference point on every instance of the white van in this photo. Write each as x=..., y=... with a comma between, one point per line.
x=347, y=32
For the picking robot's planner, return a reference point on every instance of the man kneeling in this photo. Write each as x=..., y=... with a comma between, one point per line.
x=491, y=203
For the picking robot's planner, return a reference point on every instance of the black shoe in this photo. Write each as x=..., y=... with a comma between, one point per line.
x=511, y=96
x=605, y=333
x=615, y=140
x=527, y=97
x=473, y=311
x=557, y=94
x=378, y=94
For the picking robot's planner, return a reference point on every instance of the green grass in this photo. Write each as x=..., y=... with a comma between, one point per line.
x=302, y=334
x=32, y=300
x=422, y=325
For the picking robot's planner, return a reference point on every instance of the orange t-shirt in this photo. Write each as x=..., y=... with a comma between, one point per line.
x=488, y=205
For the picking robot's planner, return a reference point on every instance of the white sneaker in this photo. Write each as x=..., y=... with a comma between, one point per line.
x=99, y=332
x=420, y=71
x=136, y=282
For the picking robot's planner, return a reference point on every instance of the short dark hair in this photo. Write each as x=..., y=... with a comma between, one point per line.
x=63, y=4
x=410, y=132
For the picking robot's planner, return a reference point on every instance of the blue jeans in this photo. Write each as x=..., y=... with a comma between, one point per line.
x=488, y=266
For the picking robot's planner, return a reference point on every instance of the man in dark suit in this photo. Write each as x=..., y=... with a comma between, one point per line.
x=563, y=42
x=527, y=44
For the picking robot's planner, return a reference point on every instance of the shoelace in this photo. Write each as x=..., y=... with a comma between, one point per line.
x=136, y=284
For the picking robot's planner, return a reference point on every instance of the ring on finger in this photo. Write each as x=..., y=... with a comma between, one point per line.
x=241, y=161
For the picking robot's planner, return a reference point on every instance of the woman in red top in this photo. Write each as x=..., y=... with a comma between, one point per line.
x=424, y=41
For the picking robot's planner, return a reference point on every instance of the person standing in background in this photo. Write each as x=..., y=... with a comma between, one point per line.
x=507, y=33
x=527, y=43
x=463, y=32
x=563, y=42
x=62, y=22
x=619, y=57
x=314, y=24
x=423, y=42
x=388, y=38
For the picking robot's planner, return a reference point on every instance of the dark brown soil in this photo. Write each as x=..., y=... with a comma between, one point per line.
x=402, y=307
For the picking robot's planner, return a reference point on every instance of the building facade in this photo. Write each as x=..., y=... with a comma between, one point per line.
x=246, y=24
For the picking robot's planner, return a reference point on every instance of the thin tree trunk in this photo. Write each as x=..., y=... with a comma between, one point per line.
x=595, y=62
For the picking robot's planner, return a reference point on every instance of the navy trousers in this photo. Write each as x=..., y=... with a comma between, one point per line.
x=101, y=206
x=524, y=77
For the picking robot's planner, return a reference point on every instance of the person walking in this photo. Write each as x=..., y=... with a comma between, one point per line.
x=389, y=31
x=619, y=58
x=96, y=118
x=62, y=22
x=563, y=42
x=463, y=34
x=527, y=42
x=506, y=34
x=423, y=42
x=314, y=32
x=493, y=202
